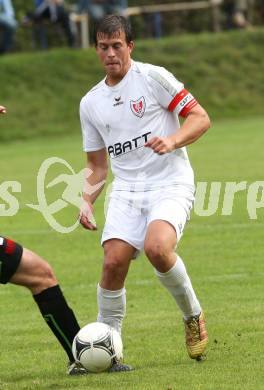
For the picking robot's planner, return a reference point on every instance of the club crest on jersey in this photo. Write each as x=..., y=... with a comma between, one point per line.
x=138, y=106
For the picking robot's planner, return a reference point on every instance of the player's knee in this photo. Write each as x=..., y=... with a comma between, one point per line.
x=44, y=280
x=48, y=274
x=156, y=251
x=112, y=264
x=43, y=276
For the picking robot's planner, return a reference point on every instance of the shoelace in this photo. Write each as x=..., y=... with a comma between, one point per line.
x=193, y=327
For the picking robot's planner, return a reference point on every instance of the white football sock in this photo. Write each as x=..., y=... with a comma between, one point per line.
x=111, y=307
x=178, y=283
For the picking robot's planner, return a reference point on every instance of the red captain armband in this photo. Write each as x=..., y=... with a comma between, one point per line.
x=183, y=102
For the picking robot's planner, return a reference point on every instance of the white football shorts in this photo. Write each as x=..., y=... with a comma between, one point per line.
x=129, y=213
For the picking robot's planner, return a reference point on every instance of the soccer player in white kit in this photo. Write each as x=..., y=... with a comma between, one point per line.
x=131, y=116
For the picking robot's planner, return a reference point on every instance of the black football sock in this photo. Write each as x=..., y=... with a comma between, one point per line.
x=59, y=317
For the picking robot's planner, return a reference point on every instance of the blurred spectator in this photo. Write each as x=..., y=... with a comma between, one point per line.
x=55, y=12
x=236, y=13
x=8, y=25
x=228, y=9
x=152, y=22
x=240, y=17
x=262, y=8
x=97, y=9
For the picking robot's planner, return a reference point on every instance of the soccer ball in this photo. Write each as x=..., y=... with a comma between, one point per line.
x=97, y=346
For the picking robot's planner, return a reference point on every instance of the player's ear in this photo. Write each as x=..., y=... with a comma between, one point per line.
x=131, y=46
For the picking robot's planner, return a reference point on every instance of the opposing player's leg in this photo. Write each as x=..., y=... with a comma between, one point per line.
x=23, y=267
x=33, y=272
x=160, y=242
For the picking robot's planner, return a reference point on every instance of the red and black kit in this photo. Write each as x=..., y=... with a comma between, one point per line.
x=10, y=256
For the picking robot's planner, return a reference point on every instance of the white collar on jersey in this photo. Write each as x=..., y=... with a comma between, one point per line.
x=123, y=81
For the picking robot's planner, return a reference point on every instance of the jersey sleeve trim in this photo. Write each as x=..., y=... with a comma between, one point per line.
x=163, y=82
x=183, y=102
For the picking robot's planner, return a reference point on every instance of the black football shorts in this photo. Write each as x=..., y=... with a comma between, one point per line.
x=10, y=257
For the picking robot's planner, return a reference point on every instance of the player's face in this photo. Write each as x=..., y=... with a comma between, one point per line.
x=114, y=53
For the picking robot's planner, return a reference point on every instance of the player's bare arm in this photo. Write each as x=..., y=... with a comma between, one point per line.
x=98, y=165
x=2, y=110
x=197, y=122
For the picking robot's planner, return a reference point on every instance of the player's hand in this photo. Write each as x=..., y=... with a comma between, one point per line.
x=2, y=110
x=161, y=145
x=86, y=217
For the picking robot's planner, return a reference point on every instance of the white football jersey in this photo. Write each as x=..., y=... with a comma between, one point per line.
x=122, y=118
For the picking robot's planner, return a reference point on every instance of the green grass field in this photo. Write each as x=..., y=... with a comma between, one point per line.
x=224, y=256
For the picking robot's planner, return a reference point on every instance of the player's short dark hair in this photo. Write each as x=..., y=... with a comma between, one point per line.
x=112, y=24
